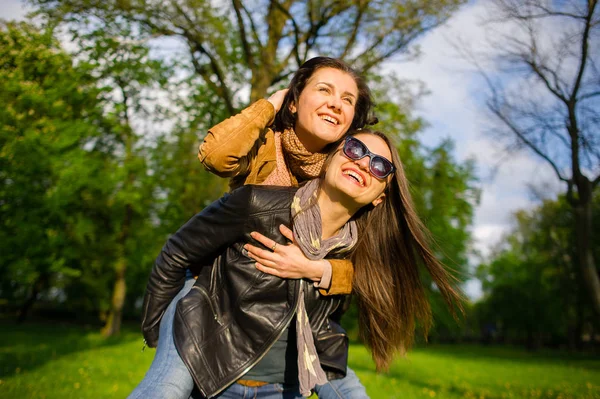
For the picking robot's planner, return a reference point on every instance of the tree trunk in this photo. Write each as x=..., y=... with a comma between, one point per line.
x=113, y=321
x=587, y=267
x=38, y=286
x=261, y=81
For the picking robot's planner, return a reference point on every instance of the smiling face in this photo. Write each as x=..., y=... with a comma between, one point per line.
x=325, y=108
x=352, y=179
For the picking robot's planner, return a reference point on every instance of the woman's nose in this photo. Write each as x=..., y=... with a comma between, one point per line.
x=363, y=163
x=335, y=102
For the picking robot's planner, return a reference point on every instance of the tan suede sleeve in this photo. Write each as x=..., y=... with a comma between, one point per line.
x=342, y=272
x=227, y=148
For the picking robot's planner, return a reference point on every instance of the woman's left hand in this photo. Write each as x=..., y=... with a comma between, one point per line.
x=285, y=261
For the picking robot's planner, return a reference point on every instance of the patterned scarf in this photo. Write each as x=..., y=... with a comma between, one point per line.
x=307, y=233
x=303, y=164
x=280, y=176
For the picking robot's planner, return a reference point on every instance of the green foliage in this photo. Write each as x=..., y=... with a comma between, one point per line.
x=531, y=284
x=49, y=117
x=42, y=361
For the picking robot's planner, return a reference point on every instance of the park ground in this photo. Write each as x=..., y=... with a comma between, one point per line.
x=66, y=361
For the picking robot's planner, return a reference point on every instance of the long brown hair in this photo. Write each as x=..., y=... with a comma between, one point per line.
x=393, y=244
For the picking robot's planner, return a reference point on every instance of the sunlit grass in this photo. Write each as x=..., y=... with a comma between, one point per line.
x=57, y=361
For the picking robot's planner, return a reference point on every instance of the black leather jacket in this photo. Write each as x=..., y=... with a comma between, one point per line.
x=235, y=313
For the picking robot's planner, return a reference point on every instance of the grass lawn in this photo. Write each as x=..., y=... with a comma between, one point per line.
x=61, y=361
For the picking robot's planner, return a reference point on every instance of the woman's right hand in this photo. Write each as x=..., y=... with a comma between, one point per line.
x=285, y=261
x=277, y=99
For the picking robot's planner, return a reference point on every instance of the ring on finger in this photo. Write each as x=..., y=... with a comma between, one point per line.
x=273, y=247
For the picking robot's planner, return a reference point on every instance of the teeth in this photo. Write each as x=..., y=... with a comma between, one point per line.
x=329, y=119
x=355, y=175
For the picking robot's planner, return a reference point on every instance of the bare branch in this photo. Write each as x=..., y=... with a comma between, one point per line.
x=355, y=29
x=512, y=11
x=587, y=96
x=221, y=90
x=294, y=50
x=493, y=106
x=584, y=49
x=237, y=6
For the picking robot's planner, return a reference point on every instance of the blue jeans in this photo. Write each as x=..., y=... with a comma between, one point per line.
x=348, y=387
x=269, y=391
x=169, y=378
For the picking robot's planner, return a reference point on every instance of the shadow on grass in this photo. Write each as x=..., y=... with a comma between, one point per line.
x=24, y=347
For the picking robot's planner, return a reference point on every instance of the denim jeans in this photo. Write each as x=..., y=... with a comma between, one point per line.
x=269, y=391
x=169, y=378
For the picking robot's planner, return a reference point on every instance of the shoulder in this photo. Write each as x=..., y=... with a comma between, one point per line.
x=258, y=198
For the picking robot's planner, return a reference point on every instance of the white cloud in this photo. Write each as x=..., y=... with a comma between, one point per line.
x=12, y=9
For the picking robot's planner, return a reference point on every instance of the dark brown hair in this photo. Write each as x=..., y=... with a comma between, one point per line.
x=363, y=116
x=392, y=247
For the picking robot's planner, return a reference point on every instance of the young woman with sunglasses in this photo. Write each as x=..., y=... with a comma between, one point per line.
x=231, y=325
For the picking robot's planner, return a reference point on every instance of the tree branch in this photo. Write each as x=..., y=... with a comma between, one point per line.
x=242, y=29
x=355, y=29
x=584, y=49
x=508, y=123
x=295, y=49
x=587, y=96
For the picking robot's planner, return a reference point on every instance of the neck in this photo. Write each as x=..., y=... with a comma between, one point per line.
x=311, y=143
x=335, y=212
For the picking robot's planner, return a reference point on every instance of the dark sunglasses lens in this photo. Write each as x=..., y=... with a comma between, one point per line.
x=354, y=149
x=380, y=167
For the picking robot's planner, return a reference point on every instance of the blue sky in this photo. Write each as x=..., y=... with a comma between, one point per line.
x=454, y=110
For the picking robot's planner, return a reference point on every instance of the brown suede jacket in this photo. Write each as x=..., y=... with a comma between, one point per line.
x=242, y=148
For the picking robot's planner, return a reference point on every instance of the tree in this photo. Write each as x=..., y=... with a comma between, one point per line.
x=261, y=43
x=49, y=119
x=136, y=80
x=545, y=98
x=530, y=284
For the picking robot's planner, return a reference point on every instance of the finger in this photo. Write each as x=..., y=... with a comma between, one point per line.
x=267, y=270
x=263, y=261
x=255, y=252
x=267, y=242
x=287, y=233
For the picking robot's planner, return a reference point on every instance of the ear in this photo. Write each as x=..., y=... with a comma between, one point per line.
x=378, y=200
x=293, y=108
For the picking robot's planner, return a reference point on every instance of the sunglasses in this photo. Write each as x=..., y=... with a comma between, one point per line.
x=379, y=166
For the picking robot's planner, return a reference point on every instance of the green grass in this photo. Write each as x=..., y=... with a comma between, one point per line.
x=62, y=361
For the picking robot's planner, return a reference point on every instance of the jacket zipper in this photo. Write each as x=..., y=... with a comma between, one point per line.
x=258, y=359
x=212, y=308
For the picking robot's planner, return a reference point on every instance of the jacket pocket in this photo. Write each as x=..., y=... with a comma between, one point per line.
x=211, y=304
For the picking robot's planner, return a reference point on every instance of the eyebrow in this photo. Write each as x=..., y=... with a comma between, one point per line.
x=332, y=86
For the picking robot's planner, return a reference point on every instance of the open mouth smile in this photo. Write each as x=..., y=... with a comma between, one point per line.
x=329, y=119
x=355, y=175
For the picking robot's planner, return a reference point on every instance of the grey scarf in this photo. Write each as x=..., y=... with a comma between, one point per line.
x=306, y=215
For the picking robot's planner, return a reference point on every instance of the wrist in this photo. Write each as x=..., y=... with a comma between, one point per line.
x=316, y=268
